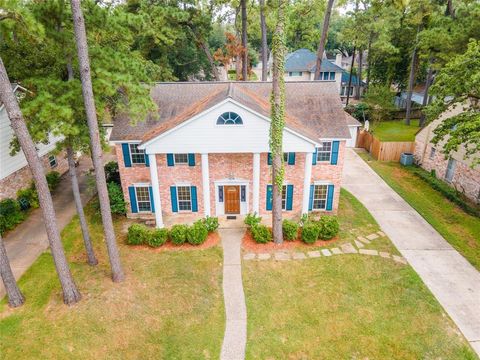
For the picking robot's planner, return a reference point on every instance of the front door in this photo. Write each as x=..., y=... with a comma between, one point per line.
x=232, y=199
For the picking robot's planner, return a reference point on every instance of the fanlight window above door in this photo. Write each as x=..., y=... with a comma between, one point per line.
x=229, y=118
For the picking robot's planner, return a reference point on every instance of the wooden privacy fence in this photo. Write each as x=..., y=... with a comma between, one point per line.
x=384, y=150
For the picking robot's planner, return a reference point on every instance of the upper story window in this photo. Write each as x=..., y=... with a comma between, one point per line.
x=180, y=159
x=324, y=151
x=432, y=153
x=138, y=156
x=295, y=73
x=229, y=118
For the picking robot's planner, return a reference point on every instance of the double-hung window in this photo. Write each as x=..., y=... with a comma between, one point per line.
x=324, y=151
x=143, y=198
x=320, y=197
x=432, y=153
x=284, y=197
x=137, y=155
x=184, y=197
x=52, y=160
x=180, y=159
x=452, y=163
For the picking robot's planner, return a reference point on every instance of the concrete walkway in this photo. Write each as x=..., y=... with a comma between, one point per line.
x=235, y=338
x=452, y=279
x=28, y=240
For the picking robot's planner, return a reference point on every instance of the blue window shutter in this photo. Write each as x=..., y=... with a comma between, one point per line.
x=335, y=146
x=269, y=159
x=310, y=200
x=289, y=197
x=269, y=197
x=170, y=160
x=173, y=198
x=191, y=159
x=193, y=190
x=133, y=199
x=291, y=158
x=330, y=197
x=152, y=202
x=314, y=158
x=147, y=160
x=126, y=155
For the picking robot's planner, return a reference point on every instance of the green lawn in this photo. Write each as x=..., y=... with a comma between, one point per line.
x=395, y=130
x=345, y=307
x=169, y=307
x=455, y=225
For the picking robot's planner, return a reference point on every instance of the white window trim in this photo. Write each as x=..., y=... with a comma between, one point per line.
x=175, y=163
x=324, y=152
x=54, y=160
x=178, y=198
x=143, y=185
x=320, y=183
x=131, y=154
x=228, y=125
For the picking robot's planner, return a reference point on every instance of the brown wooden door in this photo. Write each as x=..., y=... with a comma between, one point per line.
x=232, y=199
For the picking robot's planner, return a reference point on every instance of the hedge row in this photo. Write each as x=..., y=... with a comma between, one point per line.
x=196, y=234
x=325, y=228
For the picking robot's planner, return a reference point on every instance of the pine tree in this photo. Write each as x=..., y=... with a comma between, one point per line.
x=15, y=297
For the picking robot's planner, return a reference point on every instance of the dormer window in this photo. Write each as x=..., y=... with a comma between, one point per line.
x=229, y=118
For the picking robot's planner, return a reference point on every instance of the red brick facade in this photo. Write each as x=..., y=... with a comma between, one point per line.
x=230, y=166
x=22, y=178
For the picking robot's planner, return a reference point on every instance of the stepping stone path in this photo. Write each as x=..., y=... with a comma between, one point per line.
x=347, y=248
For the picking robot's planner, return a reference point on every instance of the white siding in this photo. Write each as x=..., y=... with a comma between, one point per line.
x=202, y=135
x=353, y=134
x=10, y=164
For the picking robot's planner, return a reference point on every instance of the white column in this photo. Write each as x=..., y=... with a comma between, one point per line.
x=306, y=182
x=206, y=184
x=156, y=190
x=256, y=183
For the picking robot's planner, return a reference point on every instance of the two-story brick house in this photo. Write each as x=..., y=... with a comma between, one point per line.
x=206, y=153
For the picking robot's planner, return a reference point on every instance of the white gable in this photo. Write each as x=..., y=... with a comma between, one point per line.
x=201, y=134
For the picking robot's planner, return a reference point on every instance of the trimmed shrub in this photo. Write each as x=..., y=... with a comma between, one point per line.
x=111, y=172
x=53, y=179
x=10, y=215
x=328, y=226
x=118, y=205
x=178, y=234
x=290, y=230
x=252, y=220
x=261, y=234
x=211, y=223
x=197, y=233
x=28, y=198
x=310, y=232
x=157, y=237
x=138, y=234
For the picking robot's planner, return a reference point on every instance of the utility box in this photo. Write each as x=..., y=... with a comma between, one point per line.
x=406, y=159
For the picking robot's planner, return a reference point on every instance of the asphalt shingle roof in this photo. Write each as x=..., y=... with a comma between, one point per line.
x=313, y=109
x=306, y=60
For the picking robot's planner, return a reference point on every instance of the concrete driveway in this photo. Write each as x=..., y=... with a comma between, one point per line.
x=452, y=279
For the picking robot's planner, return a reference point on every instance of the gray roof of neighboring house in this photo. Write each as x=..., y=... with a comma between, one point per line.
x=313, y=109
x=306, y=60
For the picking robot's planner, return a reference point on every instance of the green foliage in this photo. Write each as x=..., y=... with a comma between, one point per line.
x=111, y=172
x=53, y=179
x=197, y=233
x=118, y=205
x=252, y=220
x=261, y=234
x=290, y=230
x=303, y=219
x=138, y=234
x=379, y=103
x=211, y=223
x=328, y=227
x=178, y=234
x=359, y=111
x=28, y=197
x=10, y=215
x=157, y=237
x=310, y=231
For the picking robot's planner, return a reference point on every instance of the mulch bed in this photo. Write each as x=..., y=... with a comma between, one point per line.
x=249, y=244
x=212, y=240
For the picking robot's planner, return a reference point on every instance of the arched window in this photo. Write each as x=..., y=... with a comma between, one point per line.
x=229, y=118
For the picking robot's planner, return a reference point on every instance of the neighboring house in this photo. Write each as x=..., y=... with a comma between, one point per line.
x=401, y=99
x=207, y=152
x=301, y=65
x=14, y=172
x=455, y=170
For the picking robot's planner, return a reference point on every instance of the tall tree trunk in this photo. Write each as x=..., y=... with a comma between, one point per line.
x=350, y=76
x=450, y=11
x=369, y=48
x=206, y=49
x=96, y=148
x=411, y=82
x=323, y=39
x=278, y=121
x=263, y=28
x=425, y=101
x=70, y=292
x=92, y=260
x=359, y=75
x=15, y=297
x=238, y=67
x=243, y=4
